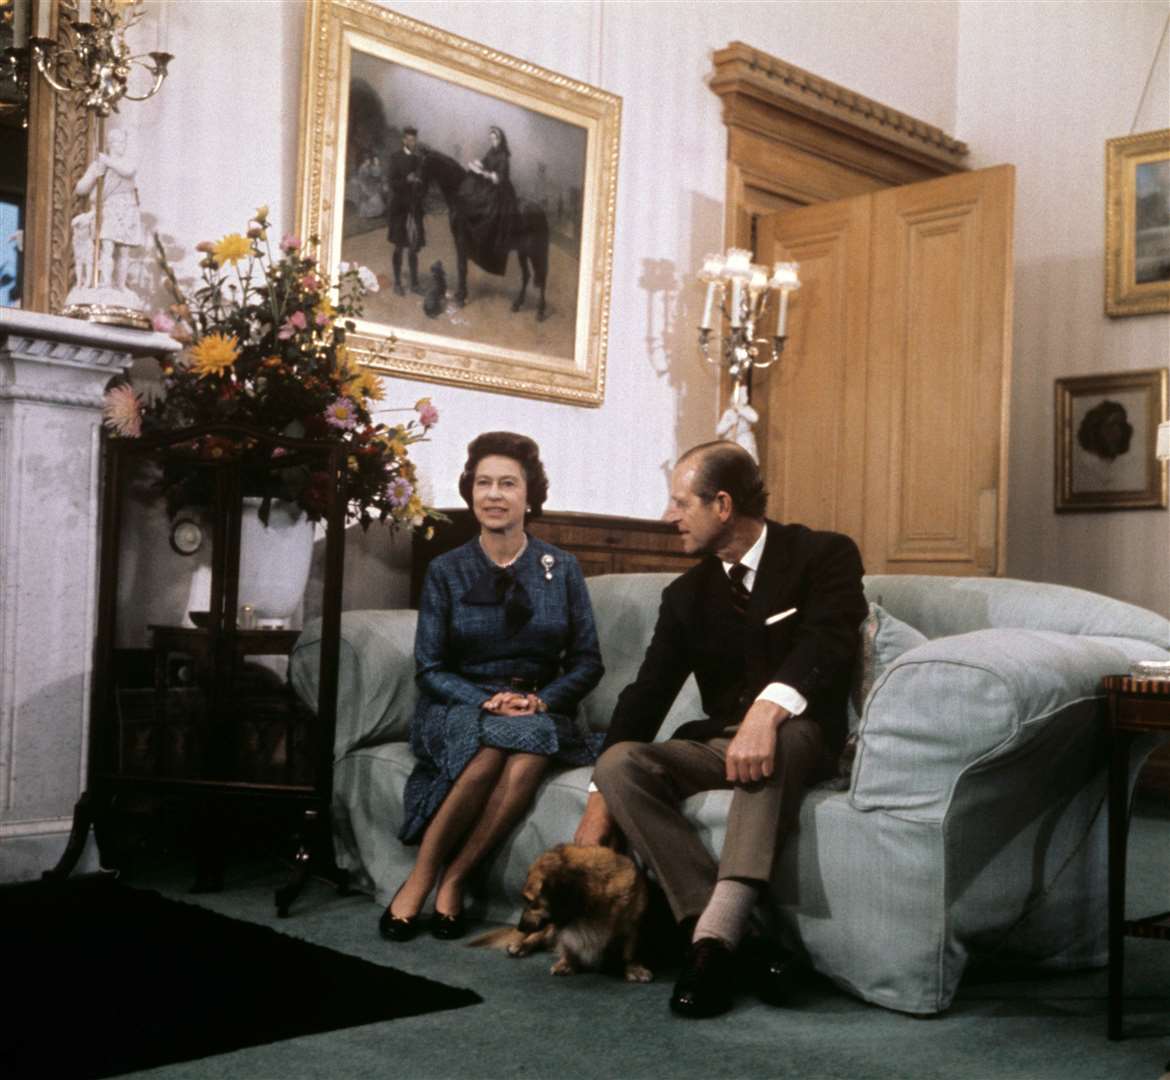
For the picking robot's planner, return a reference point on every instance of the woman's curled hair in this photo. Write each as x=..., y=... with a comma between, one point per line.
x=507, y=444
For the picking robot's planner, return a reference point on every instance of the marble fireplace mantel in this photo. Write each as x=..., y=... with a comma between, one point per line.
x=53, y=372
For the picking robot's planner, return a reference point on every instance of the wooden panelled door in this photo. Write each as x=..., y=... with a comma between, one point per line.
x=887, y=415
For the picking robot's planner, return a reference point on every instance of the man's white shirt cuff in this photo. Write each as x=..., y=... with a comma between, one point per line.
x=785, y=696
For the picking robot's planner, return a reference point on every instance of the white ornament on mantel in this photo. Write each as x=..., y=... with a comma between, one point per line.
x=53, y=372
x=101, y=266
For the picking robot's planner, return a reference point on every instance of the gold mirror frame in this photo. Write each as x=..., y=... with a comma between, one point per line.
x=338, y=30
x=1124, y=294
x=58, y=134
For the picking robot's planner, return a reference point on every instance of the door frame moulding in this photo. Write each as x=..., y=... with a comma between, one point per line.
x=795, y=138
x=772, y=99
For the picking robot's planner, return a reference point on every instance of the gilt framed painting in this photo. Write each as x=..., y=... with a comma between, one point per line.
x=1106, y=441
x=1137, y=224
x=479, y=188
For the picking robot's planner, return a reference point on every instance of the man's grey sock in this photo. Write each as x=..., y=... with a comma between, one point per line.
x=727, y=912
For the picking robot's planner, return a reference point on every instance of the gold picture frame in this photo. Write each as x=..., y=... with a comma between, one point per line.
x=1106, y=438
x=368, y=74
x=1137, y=224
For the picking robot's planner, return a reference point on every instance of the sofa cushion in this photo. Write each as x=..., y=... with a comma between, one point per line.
x=375, y=676
x=625, y=608
x=883, y=638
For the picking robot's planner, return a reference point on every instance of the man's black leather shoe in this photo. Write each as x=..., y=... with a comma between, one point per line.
x=704, y=987
x=770, y=971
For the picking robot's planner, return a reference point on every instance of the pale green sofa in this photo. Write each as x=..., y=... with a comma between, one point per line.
x=973, y=823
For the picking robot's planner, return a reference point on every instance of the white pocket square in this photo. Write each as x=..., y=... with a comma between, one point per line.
x=779, y=616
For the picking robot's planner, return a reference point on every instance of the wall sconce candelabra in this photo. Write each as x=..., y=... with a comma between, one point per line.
x=98, y=68
x=14, y=60
x=742, y=290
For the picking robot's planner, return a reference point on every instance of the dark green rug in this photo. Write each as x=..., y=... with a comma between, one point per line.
x=103, y=979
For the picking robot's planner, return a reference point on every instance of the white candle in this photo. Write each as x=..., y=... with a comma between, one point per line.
x=43, y=7
x=20, y=24
x=84, y=10
x=782, y=316
x=705, y=322
x=736, y=294
x=784, y=275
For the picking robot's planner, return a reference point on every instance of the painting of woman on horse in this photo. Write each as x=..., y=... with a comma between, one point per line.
x=508, y=179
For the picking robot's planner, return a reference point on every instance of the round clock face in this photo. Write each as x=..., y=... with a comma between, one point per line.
x=186, y=536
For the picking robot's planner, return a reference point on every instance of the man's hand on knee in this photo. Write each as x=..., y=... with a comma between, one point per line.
x=751, y=754
x=597, y=825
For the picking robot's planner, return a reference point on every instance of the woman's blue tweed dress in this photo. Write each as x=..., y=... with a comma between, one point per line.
x=464, y=653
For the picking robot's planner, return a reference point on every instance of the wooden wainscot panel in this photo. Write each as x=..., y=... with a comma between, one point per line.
x=601, y=544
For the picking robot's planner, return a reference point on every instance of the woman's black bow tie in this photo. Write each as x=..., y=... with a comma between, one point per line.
x=498, y=585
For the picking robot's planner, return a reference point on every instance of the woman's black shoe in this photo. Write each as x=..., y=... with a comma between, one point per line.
x=398, y=928
x=448, y=927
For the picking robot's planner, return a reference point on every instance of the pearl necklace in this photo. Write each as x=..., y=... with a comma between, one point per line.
x=512, y=560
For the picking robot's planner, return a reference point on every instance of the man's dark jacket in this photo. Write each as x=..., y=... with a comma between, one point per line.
x=733, y=658
x=405, y=227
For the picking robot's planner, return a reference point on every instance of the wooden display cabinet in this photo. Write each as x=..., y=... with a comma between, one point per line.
x=215, y=726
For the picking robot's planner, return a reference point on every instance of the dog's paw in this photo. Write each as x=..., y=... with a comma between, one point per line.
x=518, y=948
x=563, y=967
x=638, y=973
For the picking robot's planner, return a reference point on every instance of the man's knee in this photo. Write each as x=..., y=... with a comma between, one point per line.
x=621, y=761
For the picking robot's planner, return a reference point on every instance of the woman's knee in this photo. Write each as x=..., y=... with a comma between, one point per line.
x=485, y=766
x=526, y=769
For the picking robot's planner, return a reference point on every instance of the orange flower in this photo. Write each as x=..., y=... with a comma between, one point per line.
x=214, y=354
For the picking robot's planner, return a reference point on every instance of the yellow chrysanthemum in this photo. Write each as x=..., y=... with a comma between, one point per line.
x=232, y=248
x=214, y=354
x=343, y=362
x=368, y=385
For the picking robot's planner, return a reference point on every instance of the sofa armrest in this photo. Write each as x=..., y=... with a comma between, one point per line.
x=376, y=692
x=959, y=703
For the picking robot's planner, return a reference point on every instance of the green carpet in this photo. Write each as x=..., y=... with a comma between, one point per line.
x=1018, y=1025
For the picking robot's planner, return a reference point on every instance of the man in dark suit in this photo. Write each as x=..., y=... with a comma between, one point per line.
x=768, y=623
x=405, y=230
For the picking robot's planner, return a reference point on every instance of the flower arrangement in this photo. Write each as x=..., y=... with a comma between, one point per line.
x=264, y=346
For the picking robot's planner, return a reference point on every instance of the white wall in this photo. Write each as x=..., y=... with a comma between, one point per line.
x=222, y=138
x=1043, y=85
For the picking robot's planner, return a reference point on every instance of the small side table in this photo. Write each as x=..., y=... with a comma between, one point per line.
x=1136, y=706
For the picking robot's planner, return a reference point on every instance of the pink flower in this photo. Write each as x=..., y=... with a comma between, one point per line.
x=341, y=414
x=162, y=322
x=296, y=321
x=289, y=243
x=123, y=411
x=322, y=319
x=400, y=493
x=428, y=415
x=310, y=283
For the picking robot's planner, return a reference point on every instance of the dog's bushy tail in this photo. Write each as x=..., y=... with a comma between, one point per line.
x=496, y=939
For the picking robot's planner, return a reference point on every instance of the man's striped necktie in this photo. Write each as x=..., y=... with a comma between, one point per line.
x=740, y=596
